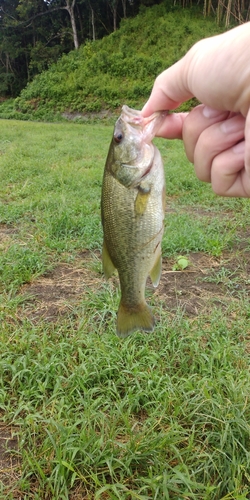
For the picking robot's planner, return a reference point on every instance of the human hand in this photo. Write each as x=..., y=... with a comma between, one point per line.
x=216, y=134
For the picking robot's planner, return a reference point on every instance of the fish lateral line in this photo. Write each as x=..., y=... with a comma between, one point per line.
x=150, y=240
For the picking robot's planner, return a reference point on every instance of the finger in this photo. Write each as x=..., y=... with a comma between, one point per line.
x=169, y=90
x=214, y=140
x=247, y=148
x=198, y=120
x=228, y=174
x=172, y=126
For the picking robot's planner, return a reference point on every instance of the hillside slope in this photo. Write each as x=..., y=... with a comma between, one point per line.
x=118, y=69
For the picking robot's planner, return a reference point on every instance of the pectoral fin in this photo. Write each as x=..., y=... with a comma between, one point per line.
x=107, y=264
x=141, y=200
x=155, y=273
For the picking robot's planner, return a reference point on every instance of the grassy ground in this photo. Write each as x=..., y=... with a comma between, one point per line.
x=84, y=415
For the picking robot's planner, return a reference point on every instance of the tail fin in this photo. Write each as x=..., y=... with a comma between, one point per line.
x=137, y=318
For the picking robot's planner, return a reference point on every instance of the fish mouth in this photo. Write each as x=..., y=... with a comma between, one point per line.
x=140, y=131
x=149, y=125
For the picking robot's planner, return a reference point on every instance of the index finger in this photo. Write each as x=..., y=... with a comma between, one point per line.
x=169, y=90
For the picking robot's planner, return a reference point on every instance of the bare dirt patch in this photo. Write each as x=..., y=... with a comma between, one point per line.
x=9, y=461
x=6, y=233
x=55, y=294
x=95, y=115
x=206, y=280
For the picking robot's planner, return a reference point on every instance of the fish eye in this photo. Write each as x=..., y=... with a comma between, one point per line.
x=118, y=137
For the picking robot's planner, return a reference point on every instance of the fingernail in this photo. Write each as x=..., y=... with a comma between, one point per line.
x=232, y=125
x=211, y=113
x=239, y=148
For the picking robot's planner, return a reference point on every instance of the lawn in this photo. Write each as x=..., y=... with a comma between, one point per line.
x=84, y=415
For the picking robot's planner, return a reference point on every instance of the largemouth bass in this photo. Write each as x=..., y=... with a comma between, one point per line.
x=133, y=207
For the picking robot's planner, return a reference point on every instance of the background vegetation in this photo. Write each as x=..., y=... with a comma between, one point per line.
x=118, y=69
x=103, y=72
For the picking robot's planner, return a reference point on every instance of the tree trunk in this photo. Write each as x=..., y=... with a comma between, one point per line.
x=124, y=7
x=228, y=13
x=219, y=11
x=113, y=7
x=115, y=16
x=70, y=8
x=92, y=22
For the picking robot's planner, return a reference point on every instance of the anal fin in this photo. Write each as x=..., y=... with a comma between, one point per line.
x=155, y=273
x=107, y=264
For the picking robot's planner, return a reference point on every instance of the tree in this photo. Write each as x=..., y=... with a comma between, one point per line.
x=113, y=6
x=30, y=40
x=70, y=5
x=35, y=33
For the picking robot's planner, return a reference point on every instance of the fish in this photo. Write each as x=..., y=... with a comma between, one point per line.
x=132, y=211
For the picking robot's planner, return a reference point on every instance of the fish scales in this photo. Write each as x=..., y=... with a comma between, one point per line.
x=133, y=206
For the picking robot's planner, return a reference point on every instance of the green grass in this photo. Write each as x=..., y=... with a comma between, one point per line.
x=160, y=416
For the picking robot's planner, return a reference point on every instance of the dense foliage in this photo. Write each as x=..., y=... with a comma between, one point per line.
x=119, y=68
x=35, y=33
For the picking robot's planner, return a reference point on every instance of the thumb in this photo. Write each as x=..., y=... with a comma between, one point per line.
x=170, y=89
x=247, y=143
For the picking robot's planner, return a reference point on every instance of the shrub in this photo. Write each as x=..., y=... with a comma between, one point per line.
x=118, y=69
